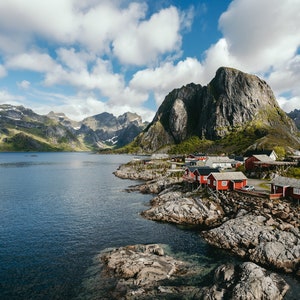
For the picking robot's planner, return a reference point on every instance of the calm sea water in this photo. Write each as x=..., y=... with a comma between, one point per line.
x=58, y=211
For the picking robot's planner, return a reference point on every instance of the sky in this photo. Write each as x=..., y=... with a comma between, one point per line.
x=88, y=57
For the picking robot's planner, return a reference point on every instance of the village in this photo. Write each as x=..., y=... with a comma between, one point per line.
x=260, y=173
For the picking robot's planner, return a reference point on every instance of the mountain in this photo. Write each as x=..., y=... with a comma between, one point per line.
x=295, y=115
x=234, y=112
x=21, y=129
x=105, y=130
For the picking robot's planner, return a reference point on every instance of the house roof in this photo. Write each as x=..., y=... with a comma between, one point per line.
x=206, y=170
x=229, y=176
x=264, y=158
x=218, y=160
x=191, y=168
x=259, y=152
x=285, y=181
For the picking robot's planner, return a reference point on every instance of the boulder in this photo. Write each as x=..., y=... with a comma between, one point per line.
x=244, y=282
x=176, y=207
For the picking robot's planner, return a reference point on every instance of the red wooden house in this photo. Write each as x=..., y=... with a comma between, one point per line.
x=201, y=174
x=189, y=174
x=226, y=181
x=252, y=161
x=287, y=187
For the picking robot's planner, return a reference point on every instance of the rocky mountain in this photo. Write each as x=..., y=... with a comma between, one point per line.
x=295, y=115
x=105, y=129
x=21, y=129
x=234, y=112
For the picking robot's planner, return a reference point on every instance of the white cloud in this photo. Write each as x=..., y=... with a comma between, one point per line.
x=142, y=43
x=3, y=72
x=262, y=34
x=287, y=77
x=95, y=26
x=289, y=105
x=74, y=60
x=24, y=84
x=163, y=79
x=7, y=98
x=32, y=61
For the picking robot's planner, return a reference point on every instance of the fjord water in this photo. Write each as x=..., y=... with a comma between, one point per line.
x=59, y=210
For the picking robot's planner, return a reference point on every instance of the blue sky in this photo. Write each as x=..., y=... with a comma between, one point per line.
x=86, y=57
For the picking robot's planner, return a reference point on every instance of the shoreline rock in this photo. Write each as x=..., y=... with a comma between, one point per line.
x=174, y=206
x=140, y=270
x=245, y=281
x=250, y=237
x=146, y=272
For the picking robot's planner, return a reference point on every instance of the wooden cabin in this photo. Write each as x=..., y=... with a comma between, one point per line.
x=226, y=181
x=201, y=174
x=286, y=187
x=189, y=174
x=223, y=162
x=252, y=161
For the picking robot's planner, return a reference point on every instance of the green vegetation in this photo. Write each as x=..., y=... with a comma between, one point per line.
x=293, y=172
x=15, y=140
x=191, y=145
x=130, y=148
x=280, y=152
x=240, y=139
x=23, y=142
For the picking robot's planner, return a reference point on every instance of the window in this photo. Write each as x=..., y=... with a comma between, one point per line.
x=214, y=183
x=208, y=181
x=224, y=183
x=296, y=191
x=205, y=177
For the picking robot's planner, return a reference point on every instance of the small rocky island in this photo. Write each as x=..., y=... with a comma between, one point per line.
x=264, y=232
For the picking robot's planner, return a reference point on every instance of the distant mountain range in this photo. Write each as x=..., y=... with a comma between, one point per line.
x=234, y=113
x=21, y=129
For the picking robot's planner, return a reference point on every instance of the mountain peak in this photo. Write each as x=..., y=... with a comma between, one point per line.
x=234, y=104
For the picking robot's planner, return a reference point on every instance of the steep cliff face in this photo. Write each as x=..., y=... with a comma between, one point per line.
x=232, y=103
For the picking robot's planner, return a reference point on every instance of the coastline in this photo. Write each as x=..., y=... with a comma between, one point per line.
x=258, y=230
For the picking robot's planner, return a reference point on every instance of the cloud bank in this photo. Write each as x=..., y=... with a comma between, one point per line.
x=84, y=58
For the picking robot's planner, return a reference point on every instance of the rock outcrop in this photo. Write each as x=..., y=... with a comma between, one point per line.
x=146, y=272
x=253, y=237
x=246, y=281
x=177, y=207
x=232, y=103
x=138, y=269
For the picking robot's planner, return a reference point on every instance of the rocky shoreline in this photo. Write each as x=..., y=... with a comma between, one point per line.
x=146, y=272
x=263, y=231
